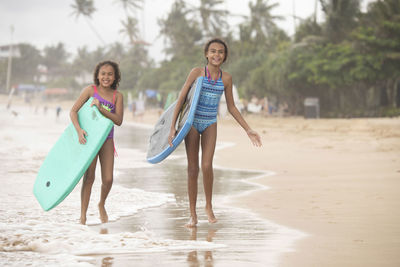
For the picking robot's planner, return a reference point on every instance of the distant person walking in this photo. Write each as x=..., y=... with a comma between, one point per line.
x=58, y=111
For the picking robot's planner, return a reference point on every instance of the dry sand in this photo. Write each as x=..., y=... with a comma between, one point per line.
x=337, y=180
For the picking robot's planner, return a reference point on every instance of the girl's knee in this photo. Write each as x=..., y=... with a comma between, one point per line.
x=88, y=183
x=88, y=178
x=206, y=166
x=108, y=182
x=193, y=170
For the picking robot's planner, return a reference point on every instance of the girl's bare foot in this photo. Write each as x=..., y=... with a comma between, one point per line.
x=103, y=231
x=210, y=215
x=83, y=220
x=192, y=222
x=103, y=214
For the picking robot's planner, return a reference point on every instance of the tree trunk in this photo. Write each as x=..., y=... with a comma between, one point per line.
x=383, y=98
x=390, y=89
x=397, y=92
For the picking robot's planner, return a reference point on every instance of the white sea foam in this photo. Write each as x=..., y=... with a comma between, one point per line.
x=29, y=235
x=131, y=158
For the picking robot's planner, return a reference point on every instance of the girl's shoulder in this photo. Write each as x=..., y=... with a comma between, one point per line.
x=226, y=78
x=119, y=97
x=194, y=74
x=197, y=71
x=226, y=74
x=88, y=90
x=118, y=94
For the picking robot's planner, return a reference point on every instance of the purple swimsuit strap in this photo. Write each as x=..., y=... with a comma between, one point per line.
x=102, y=98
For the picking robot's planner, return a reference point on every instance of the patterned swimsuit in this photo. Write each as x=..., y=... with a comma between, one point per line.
x=207, y=107
x=107, y=106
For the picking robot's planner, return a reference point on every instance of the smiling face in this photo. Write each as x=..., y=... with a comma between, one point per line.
x=216, y=54
x=106, y=76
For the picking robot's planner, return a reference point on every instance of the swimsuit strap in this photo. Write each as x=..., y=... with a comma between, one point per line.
x=115, y=91
x=206, y=72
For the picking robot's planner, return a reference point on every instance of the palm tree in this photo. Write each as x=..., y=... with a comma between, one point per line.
x=384, y=10
x=261, y=20
x=82, y=65
x=181, y=34
x=308, y=32
x=213, y=19
x=82, y=60
x=340, y=16
x=130, y=5
x=131, y=25
x=55, y=57
x=86, y=9
x=383, y=22
x=116, y=52
x=131, y=29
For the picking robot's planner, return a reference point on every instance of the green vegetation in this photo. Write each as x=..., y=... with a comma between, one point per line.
x=350, y=61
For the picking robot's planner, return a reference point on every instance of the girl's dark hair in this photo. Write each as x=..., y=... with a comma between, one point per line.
x=117, y=73
x=219, y=41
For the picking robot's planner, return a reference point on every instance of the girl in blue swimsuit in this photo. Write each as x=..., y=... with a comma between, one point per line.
x=204, y=129
x=110, y=103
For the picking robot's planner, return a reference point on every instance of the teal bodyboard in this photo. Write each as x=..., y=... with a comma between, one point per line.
x=68, y=160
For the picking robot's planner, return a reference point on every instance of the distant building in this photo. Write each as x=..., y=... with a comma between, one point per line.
x=5, y=51
x=41, y=76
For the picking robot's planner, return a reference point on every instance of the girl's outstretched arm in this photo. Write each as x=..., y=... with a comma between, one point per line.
x=194, y=73
x=253, y=135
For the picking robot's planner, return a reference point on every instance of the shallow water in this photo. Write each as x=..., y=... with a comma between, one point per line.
x=147, y=206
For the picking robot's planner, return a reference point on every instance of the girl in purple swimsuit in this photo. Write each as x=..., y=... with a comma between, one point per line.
x=110, y=103
x=204, y=129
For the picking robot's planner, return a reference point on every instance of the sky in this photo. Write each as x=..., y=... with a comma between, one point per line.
x=48, y=22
